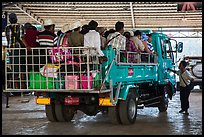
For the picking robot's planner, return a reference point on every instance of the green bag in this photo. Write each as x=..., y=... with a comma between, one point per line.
x=60, y=82
x=97, y=80
x=37, y=81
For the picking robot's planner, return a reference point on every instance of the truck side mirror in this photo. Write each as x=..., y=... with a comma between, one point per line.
x=180, y=47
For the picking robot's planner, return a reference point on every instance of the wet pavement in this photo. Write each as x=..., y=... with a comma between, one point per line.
x=30, y=119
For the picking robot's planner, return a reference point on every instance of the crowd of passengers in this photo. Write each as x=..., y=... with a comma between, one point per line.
x=74, y=35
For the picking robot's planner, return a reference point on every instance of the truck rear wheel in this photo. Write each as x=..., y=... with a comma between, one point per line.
x=50, y=112
x=128, y=109
x=59, y=112
x=113, y=114
x=64, y=113
x=164, y=100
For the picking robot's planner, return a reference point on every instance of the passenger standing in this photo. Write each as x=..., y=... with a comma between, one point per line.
x=137, y=40
x=76, y=39
x=59, y=32
x=130, y=47
x=185, y=78
x=29, y=41
x=108, y=32
x=117, y=40
x=45, y=39
x=101, y=31
x=14, y=33
x=92, y=39
x=84, y=29
x=64, y=36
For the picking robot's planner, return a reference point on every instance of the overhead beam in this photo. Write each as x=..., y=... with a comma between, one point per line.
x=27, y=12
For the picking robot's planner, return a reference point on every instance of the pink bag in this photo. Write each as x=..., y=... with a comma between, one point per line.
x=71, y=82
x=58, y=54
x=84, y=80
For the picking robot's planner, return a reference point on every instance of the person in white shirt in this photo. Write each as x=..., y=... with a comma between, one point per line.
x=92, y=39
x=185, y=78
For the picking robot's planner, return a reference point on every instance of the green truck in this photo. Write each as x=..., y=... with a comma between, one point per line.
x=116, y=87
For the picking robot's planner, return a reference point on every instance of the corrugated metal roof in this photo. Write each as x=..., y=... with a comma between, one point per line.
x=142, y=15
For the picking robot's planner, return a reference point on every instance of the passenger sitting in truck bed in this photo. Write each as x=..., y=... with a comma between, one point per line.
x=137, y=40
x=144, y=39
x=130, y=47
x=150, y=46
x=144, y=57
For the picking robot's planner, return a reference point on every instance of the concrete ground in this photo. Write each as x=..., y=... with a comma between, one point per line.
x=30, y=119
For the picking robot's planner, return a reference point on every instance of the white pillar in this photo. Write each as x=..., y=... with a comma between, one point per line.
x=132, y=14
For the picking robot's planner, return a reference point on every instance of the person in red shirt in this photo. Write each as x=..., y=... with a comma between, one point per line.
x=29, y=41
x=30, y=35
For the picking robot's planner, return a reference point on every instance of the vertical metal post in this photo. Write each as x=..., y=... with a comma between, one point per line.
x=88, y=68
x=132, y=15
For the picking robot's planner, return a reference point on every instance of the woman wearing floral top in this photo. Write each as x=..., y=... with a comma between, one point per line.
x=130, y=47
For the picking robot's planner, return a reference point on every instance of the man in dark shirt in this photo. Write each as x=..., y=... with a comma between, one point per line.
x=14, y=32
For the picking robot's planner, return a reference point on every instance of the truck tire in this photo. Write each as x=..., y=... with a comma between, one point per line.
x=164, y=100
x=59, y=112
x=68, y=113
x=64, y=113
x=128, y=109
x=50, y=112
x=113, y=114
x=197, y=70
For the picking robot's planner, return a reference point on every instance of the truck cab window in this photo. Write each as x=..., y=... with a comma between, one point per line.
x=162, y=48
x=169, y=50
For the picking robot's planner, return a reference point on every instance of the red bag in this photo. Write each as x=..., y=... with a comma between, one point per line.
x=71, y=82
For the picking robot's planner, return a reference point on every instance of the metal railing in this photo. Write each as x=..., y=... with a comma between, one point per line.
x=46, y=69
x=136, y=58
x=64, y=69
